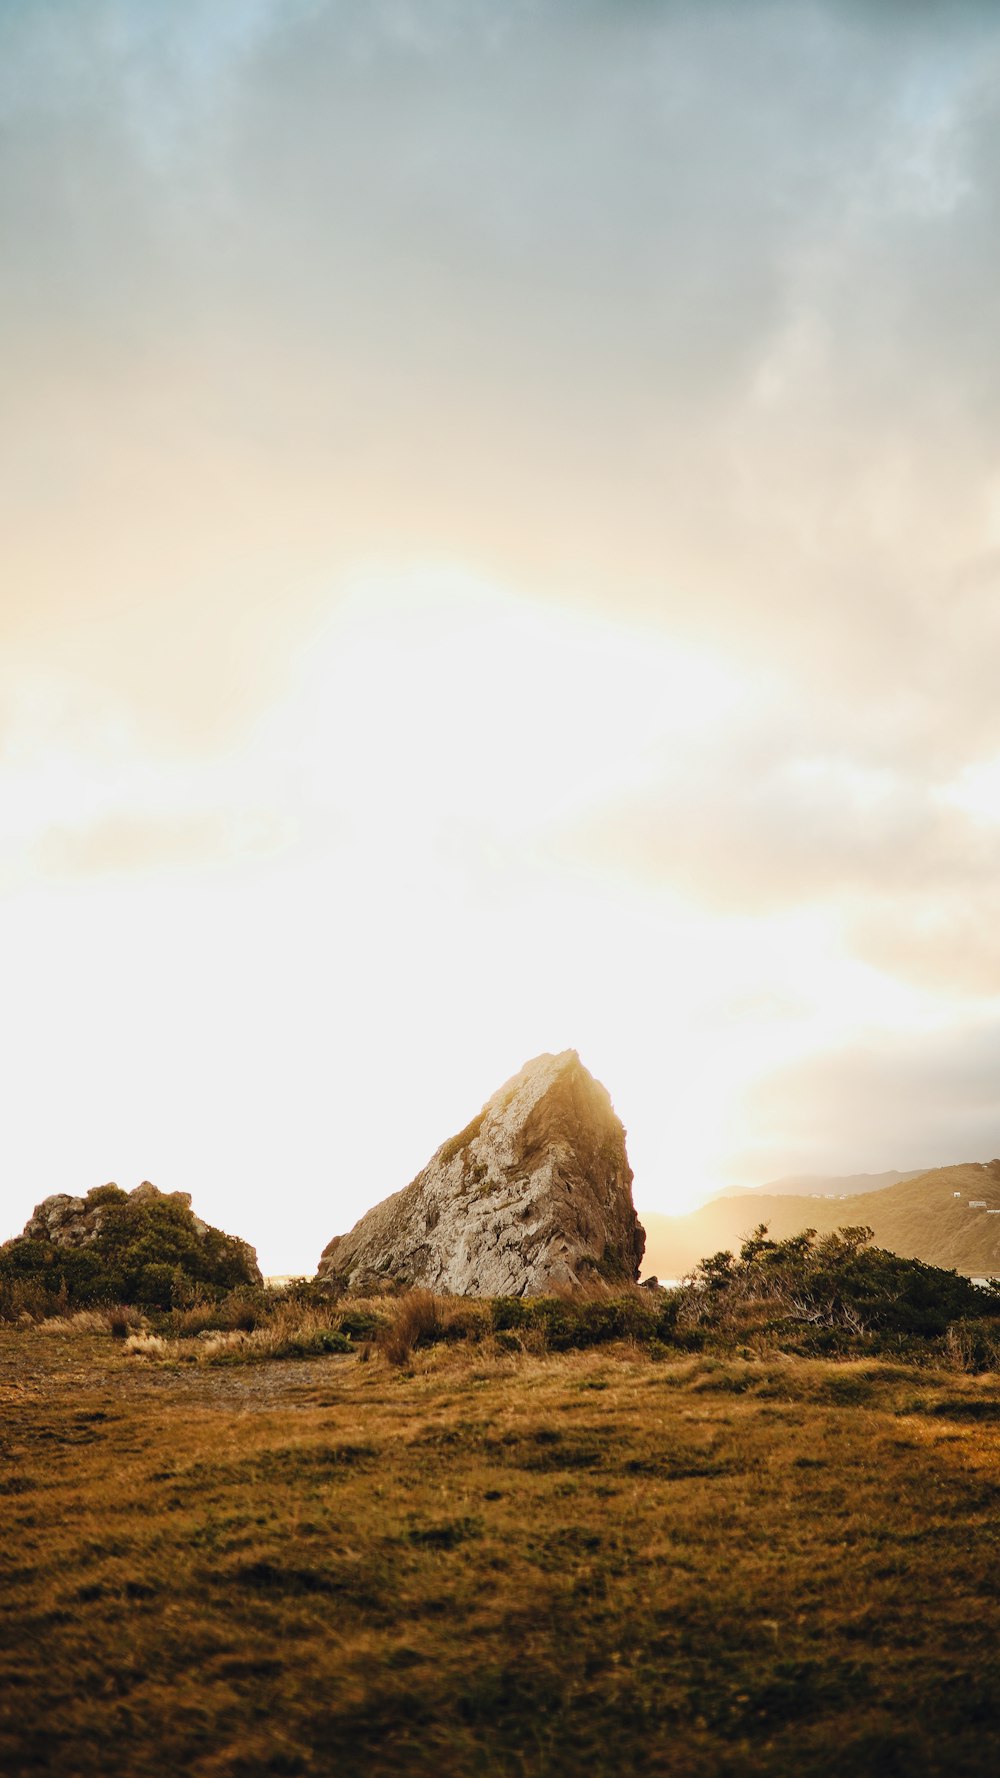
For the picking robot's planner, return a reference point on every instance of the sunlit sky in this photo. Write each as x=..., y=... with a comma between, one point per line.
x=499, y=552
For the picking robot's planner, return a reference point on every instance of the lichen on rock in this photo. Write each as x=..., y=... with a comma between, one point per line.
x=535, y=1192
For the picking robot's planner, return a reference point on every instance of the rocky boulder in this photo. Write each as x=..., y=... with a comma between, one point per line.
x=76, y=1222
x=534, y=1192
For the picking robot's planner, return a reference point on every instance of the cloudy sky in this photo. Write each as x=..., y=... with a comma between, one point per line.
x=499, y=551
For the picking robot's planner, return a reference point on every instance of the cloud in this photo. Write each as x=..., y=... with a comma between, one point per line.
x=748, y=822
x=926, y=1101
x=678, y=309
x=801, y=797
x=945, y=942
x=124, y=844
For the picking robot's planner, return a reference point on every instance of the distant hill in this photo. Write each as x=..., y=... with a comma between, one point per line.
x=923, y=1216
x=822, y=1185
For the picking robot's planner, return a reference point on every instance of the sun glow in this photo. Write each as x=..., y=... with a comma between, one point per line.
x=310, y=958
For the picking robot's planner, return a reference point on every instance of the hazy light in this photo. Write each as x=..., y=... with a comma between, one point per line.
x=976, y=791
x=499, y=512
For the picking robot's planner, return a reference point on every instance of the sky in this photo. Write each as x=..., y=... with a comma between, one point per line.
x=499, y=552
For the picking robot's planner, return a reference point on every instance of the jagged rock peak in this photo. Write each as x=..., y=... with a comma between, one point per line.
x=534, y=1192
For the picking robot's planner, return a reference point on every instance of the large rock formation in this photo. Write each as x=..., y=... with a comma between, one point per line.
x=534, y=1192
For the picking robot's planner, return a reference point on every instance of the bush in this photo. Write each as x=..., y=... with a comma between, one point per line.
x=361, y=1324
x=24, y=1298
x=833, y=1290
x=589, y=1316
x=973, y=1346
x=239, y=1311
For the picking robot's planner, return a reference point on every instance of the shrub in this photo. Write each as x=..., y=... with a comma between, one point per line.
x=589, y=1316
x=23, y=1298
x=567, y=1323
x=361, y=1324
x=466, y=1318
x=838, y=1287
x=239, y=1311
x=973, y=1346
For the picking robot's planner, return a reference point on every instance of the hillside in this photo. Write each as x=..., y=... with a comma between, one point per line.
x=823, y=1185
x=920, y=1218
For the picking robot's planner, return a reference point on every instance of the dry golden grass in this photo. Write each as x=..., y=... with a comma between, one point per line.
x=291, y=1332
x=118, y=1321
x=488, y=1564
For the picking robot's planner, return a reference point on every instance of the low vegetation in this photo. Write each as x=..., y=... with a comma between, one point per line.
x=834, y=1295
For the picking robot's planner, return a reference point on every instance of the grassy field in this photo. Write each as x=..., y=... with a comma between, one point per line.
x=586, y=1562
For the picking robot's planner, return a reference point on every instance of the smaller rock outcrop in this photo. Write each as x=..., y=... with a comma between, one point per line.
x=534, y=1192
x=75, y=1222
x=144, y=1246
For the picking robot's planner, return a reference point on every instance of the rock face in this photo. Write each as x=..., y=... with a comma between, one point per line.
x=534, y=1192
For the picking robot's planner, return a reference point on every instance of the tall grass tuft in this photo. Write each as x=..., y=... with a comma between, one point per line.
x=418, y=1321
x=122, y=1319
